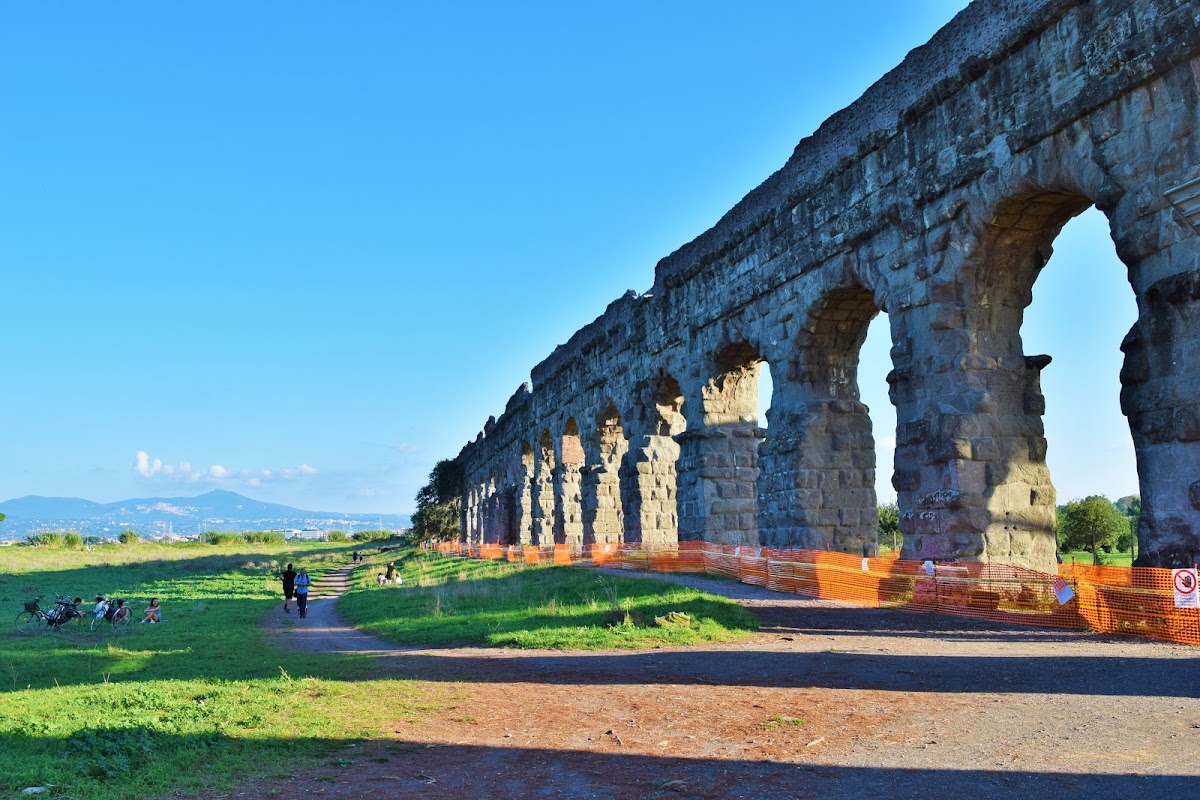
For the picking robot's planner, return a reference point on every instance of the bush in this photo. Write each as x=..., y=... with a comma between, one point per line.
x=264, y=537
x=73, y=540
x=337, y=536
x=371, y=536
x=46, y=539
x=224, y=538
x=128, y=537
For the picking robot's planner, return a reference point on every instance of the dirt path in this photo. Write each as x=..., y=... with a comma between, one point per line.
x=893, y=704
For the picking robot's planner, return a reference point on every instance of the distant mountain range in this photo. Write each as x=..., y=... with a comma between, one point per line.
x=152, y=517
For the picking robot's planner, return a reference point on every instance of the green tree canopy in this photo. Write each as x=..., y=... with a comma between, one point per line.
x=439, y=503
x=1078, y=520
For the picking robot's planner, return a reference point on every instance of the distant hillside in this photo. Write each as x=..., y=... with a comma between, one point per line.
x=152, y=516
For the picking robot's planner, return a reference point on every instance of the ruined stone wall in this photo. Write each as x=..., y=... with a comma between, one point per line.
x=936, y=198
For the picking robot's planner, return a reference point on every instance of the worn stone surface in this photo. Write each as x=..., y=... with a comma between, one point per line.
x=935, y=197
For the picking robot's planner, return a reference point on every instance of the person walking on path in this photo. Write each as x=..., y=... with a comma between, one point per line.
x=288, y=576
x=302, y=584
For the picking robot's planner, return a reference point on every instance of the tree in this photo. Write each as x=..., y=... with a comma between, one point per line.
x=1, y=518
x=889, y=525
x=1091, y=524
x=1130, y=506
x=128, y=537
x=439, y=503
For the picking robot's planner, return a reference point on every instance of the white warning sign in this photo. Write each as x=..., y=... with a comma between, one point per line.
x=1184, y=582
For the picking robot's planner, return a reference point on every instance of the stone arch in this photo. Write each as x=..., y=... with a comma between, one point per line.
x=490, y=512
x=568, y=487
x=817, y=482
x=603, y=513
x=971, y=475
x=718, y=460
x=523, y=507
x=648, y=477
x=543, y=496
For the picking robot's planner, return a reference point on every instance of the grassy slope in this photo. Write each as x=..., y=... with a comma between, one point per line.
x=448, y=600
x=202, y=699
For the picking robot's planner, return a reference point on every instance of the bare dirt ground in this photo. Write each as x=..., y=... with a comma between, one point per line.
x=894, y=705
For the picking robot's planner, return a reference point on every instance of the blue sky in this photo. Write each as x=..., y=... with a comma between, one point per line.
x=302, y=250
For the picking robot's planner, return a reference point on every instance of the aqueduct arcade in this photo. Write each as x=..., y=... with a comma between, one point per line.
x=936, y=198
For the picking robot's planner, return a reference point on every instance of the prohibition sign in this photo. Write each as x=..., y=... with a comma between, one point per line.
x=1185, y=581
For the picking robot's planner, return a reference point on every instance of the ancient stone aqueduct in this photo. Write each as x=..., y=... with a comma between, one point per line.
x=935, y=197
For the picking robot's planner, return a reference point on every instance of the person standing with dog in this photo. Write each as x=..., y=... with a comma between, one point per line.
x=288, y=577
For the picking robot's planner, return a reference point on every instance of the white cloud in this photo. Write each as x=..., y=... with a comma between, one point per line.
x=216, y=474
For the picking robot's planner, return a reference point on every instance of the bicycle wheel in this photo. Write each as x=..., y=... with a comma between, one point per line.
x=28, y=622
x=98, y=621
x=121, y=619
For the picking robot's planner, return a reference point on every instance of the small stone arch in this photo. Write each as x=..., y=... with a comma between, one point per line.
x=543, y=495
x=817, y=483
x=603, y=512
x=648, y=477
x=718, y=461
x=568, y=489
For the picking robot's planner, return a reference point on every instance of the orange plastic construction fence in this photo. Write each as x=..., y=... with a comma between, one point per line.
x=1137, y=602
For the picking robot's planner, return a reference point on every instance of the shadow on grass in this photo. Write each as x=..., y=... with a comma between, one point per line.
x=118, y=763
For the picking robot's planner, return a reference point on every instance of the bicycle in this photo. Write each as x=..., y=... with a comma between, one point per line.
x=110, y=611
x=34, y=618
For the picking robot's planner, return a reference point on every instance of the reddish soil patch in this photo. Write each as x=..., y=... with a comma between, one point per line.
x=893, y=704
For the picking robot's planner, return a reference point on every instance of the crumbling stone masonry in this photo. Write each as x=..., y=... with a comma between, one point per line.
x=935, y=197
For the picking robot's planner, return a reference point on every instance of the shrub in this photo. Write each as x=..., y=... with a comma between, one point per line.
x=264, y=537
x=46, y=539
x=128, y=537
x=371, y=536
x=337, y=536
x=224, y=537
x=72, y=540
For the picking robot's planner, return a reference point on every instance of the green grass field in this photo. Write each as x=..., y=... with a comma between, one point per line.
x=202, y=699
x=205, y=699
x=1109, y=559
x=454, y=601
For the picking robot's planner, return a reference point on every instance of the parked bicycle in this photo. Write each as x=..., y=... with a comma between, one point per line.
x=63, y=616
x=110, y=611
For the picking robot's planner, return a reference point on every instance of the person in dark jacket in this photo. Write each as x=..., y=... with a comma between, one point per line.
x=288, y=576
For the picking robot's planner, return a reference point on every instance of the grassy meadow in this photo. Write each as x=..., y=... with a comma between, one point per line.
x=456, y=601
x=206, y=699
x=201, y=700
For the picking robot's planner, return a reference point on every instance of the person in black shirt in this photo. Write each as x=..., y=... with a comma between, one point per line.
x=288, y=577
